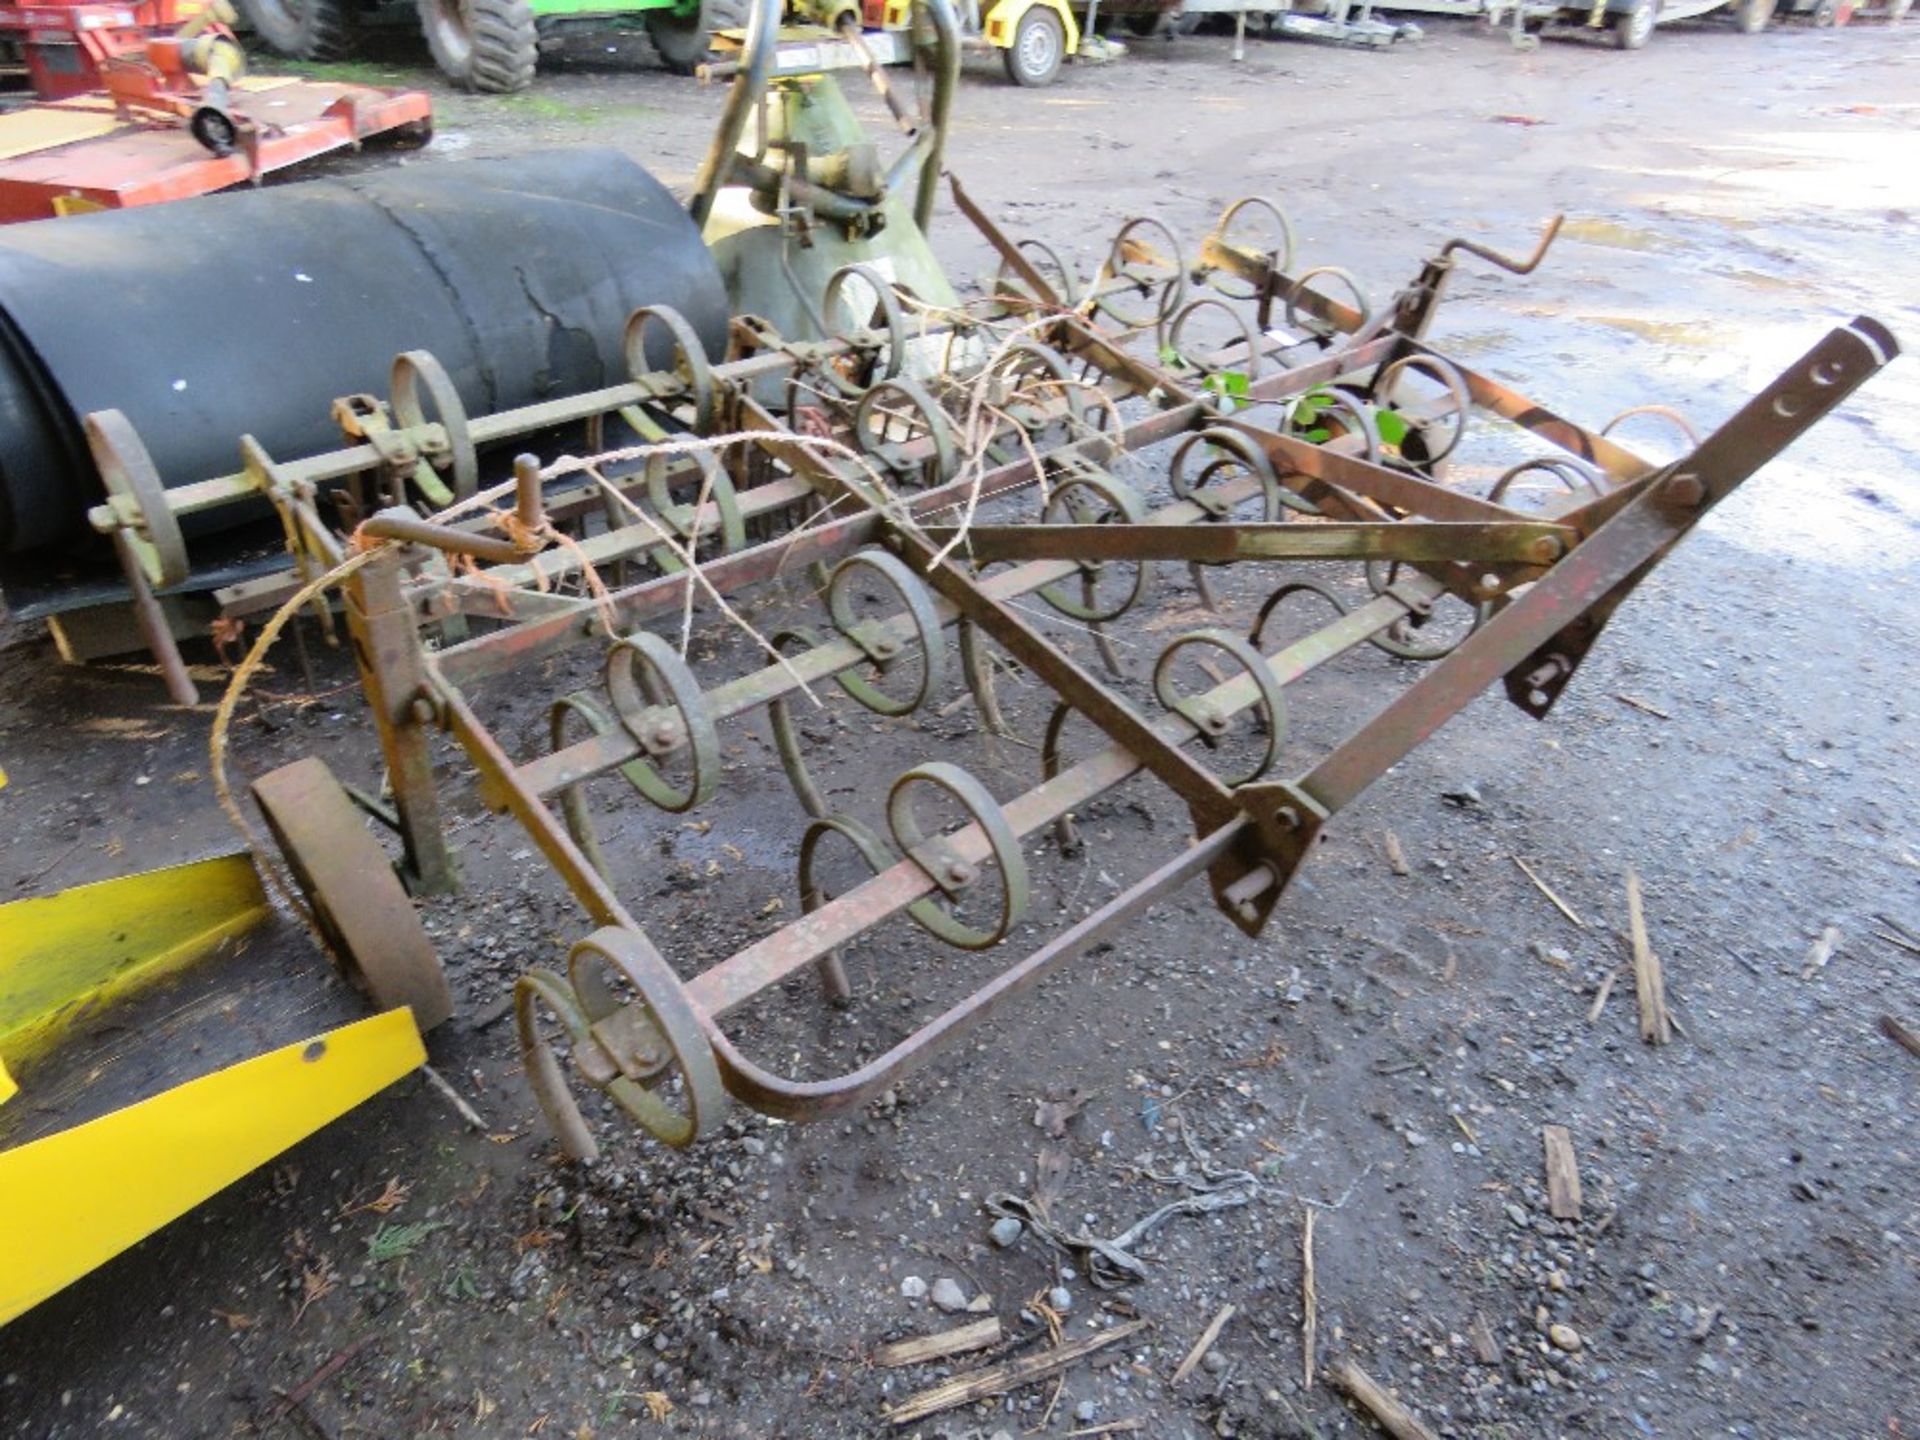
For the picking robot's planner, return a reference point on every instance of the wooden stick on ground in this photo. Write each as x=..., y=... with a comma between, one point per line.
x=1309, y=1302
x=921, y=1348
x=1008, y=1375
x=454, y=1098
x=1894, y=939
x=1563, y=1173
x=1600, y=995
x=1899, y=1034
x=1111, y=1427
x=1821, y=953
x=1396, y=857
x=1203, y=1344
x=1640, y=704
x=1547, y=890
x=1394, y=1418
x=1649, y=982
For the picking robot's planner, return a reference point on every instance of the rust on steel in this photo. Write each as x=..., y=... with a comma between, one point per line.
x=1020, y=500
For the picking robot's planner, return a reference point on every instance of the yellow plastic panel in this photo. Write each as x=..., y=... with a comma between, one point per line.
x=73, y=1201
x=1004, y=17
x=63, y=956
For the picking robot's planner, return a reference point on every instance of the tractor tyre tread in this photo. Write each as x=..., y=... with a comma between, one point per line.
x=492, y=46
x=506, y=46
x=321, y=30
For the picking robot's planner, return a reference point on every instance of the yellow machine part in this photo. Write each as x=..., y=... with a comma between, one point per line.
x=65, y=956
x=74, y=1200
x=1001, y=21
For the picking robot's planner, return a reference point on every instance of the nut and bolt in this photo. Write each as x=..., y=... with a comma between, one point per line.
x=1686, y=491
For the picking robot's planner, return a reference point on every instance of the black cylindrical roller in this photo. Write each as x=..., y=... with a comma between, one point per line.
x=248, y=313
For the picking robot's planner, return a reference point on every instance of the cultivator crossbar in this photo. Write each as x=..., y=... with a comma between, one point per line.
x=977, y=471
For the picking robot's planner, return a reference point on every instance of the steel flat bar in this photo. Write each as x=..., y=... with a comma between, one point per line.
x=845, y=918
x=499, y=792
x=1516, y=542
x=1337, y=466
x=474, y=659
x=637, y=538
x=1254, y=270
x=809, y=1099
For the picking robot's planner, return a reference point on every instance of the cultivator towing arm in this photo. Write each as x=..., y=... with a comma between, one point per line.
x=955, y=492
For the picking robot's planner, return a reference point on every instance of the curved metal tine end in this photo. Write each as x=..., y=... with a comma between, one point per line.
x=1507, y=262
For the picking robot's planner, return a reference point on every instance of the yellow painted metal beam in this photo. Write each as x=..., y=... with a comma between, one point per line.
x=64, y=956
x=72, y=1201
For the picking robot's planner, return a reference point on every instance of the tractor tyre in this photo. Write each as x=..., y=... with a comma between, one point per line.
x=1753, y=16
x=1039, y=46
x=1634, y=28
x=486, y=45
x=683, y=42
x=303, y=29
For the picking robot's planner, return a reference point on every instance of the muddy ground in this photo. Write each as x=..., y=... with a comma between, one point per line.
x=1385, y=1055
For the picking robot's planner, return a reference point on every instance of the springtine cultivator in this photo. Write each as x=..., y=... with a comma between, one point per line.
x=965, y=491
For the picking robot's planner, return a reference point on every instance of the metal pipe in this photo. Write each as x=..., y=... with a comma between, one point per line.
x=946, y=80
x=749, y=88
x=401, y=524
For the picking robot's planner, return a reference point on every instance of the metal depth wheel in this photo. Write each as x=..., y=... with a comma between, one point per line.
x=350, y=885
x=417, y=374
x=304, y=29
x=1633, y=28
x=487, y=45
x=1209, y=721
x=683, y=36
x=938, y=859
x=658, y=701
x=1038, y=50
x=644, y=1038
x=1753, y=16
x=687, y=359
x=127, y=471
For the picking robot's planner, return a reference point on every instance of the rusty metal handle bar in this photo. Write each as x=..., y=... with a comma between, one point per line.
x=1507, y=262
x=403, y=525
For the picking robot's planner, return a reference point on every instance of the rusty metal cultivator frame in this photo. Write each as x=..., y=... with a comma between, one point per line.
x=1316, y=430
